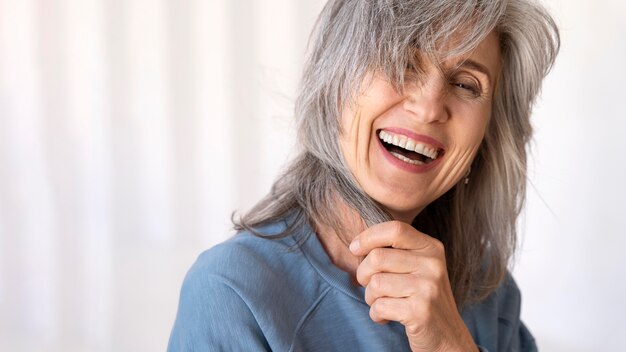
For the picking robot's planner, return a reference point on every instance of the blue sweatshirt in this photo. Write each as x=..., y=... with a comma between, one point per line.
x=255, y=294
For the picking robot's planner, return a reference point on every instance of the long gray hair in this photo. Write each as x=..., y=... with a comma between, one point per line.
x=476, y=222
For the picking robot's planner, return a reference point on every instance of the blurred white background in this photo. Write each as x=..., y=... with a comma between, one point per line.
x=131, y=129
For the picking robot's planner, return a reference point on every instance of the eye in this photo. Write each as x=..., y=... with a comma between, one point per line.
x=467, y=86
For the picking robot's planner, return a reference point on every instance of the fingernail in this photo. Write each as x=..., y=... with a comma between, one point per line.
x=355, y=245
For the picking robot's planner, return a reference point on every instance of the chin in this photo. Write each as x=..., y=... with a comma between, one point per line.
x=402, y=213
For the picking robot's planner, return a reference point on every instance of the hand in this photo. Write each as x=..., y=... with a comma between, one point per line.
x=406, y=280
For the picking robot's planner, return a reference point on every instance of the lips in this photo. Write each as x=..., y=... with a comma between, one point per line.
x=413, y=150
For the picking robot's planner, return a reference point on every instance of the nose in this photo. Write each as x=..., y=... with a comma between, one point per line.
x=426, y=100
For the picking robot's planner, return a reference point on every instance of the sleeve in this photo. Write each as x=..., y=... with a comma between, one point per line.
x=213, y=317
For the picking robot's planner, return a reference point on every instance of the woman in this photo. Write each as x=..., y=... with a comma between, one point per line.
x=393, y=229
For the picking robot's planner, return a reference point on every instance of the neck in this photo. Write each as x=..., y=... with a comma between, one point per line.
x=336, y=242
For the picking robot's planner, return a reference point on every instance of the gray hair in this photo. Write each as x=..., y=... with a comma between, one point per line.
x=354, y=37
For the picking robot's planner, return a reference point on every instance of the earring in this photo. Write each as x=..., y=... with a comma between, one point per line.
x=466, y=180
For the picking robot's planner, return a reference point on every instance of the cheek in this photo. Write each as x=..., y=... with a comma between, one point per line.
x=467, y=136
x=473, y=128
x=352, y=140
x=358, y=121
x=473, y=137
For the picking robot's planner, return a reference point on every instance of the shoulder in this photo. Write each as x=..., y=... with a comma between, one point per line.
x=212, y=316
x=249, y=260
x=262, y=285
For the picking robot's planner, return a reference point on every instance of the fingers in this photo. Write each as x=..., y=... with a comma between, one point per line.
x=389, y=309
x=404, y=274
x=395, y=234
x=389, y=285
x=414, y=312
x=390, y=260
x=402, y=286
x=428, y=326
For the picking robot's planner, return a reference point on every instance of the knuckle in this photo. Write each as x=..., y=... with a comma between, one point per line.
x=369, y=296
x=378, y=257
x=411, y=329
x=421, y=311
x=430, y=290
x=372, y=314
x=414, y=328
x=376, y=282
x=438, y=246
x=419, y=318
x=377, y=307
x=436, y=268
x=440, y=271
x=361, y=274
x=374, y=311
x=396, y=227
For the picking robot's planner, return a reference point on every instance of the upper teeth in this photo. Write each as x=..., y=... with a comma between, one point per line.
x=408, y=144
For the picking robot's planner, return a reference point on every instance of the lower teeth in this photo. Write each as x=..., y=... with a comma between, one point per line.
x=405, y=159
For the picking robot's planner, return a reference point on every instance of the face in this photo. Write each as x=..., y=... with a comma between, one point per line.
x=408, y=148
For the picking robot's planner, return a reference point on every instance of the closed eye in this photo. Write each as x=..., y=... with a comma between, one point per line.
x=471, y=89
x=466, y=86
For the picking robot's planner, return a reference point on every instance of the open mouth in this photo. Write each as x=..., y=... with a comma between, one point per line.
x=409, y=150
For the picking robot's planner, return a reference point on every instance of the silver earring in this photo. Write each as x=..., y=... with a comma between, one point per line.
x=466, y=180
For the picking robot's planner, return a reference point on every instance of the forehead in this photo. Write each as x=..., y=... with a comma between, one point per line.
x=487, y=52
x=485, y=58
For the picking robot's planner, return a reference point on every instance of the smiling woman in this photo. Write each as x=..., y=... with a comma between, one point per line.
x=393, y=228
x=430, y=131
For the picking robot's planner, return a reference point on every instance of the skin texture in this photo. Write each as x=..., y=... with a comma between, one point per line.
x=404, y=270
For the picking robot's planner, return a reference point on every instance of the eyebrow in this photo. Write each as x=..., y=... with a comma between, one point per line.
x=471, y=64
